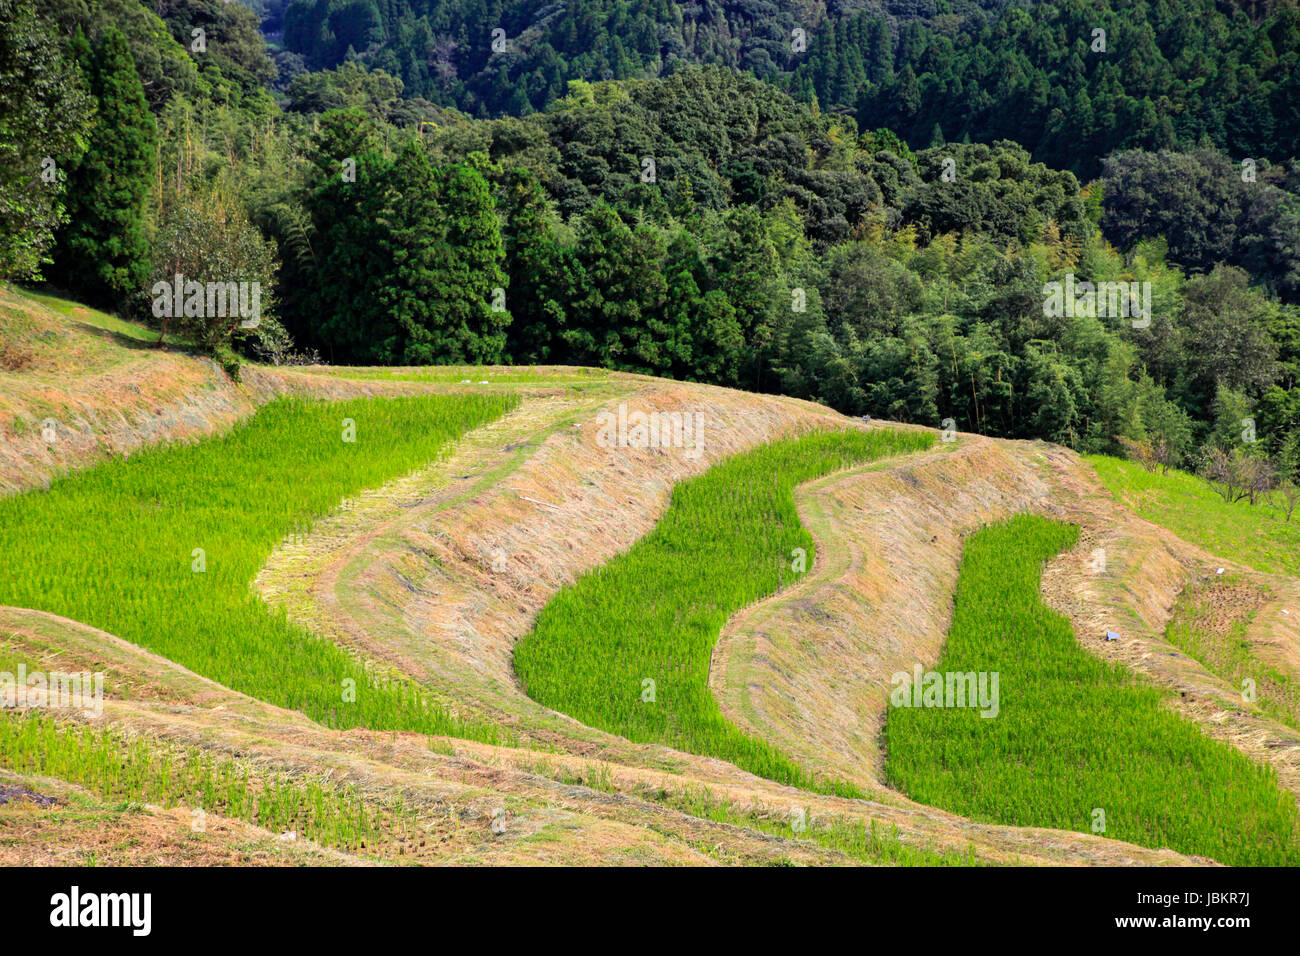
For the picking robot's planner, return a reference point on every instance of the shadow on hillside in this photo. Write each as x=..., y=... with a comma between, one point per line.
x=132, y=335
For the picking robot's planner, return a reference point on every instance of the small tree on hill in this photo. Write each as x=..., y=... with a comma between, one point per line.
x=205, y=237
x=1237, y=475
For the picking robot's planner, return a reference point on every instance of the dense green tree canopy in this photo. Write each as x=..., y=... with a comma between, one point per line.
x=44, y=111
x=1073, y=80
x=103, y=251
x=886, y=235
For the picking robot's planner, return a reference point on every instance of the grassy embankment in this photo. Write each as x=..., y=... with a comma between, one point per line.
x=1186, y=505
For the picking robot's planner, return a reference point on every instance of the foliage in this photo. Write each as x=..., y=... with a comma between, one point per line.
x=1167, y=74
x=44, y=108
x=405, y=257
x=103, y=251
x=448, y=51
x=206, y=237
x=1208, y=210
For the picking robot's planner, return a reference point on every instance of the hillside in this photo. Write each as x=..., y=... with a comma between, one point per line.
x=700, y=223
x=518, y=57
x=435, y=575
x=1071, y=81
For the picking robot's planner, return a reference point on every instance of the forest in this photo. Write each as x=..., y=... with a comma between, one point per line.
x=488, y=58
x=871, y=220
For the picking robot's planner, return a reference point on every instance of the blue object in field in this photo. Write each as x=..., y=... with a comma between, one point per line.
x=1112, y=635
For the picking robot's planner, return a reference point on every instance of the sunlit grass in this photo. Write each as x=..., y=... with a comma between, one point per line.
x=101, y=320
x=1186, y=505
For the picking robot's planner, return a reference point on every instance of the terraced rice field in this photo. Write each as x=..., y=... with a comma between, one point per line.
x=1074, y=734
x=160, y=548
x=627, y=647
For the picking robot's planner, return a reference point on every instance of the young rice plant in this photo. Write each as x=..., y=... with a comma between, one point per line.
x=139, y=770
x=627, y=647
x=1074, y=734
x=161, y=548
